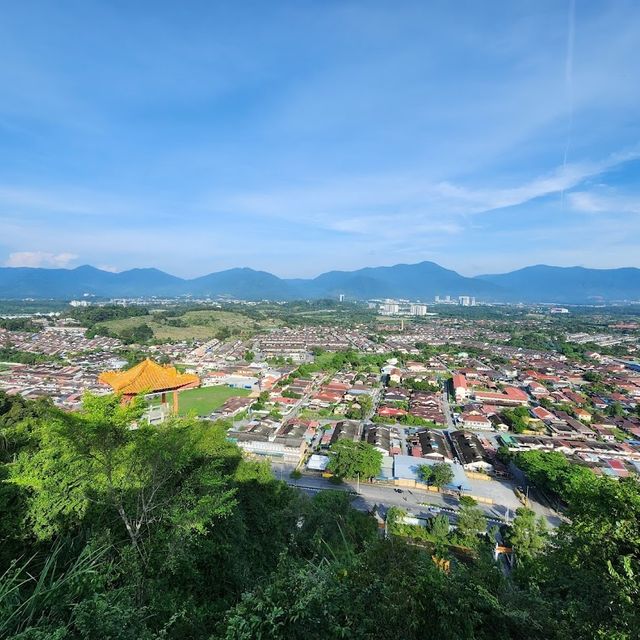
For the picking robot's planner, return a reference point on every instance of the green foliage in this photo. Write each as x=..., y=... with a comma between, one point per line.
x=439, y=474
x=362, y=411
x=19, y=324
x=389, y=591
x=9, y=354
x=109, y=532
x=440, y=528
x=593, y=565
x=593, y=376
x=140, y=334
x=420, y=385
x=471, y=523
x=93, y=315
x=615, y=410
x=553, y=473
x=352, y=459
x=527, y=534
x=517, y=419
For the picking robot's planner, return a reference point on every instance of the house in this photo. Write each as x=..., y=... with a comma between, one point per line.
x=379, y=437
x=271, y=440
x=542, y=414
x=582, y=414
x=470, y=451
x=511, y=396
x=433, y=445
x=391, y=412
x=460, y=388
x=476, y=421
x=581, y=429
x=346, y=430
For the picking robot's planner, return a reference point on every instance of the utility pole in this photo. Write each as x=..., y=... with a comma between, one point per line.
x=358, y=485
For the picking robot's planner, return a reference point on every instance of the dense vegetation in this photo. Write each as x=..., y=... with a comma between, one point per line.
x=19, y=324
x=9, y=354
x=91, y=316
x=110, y=533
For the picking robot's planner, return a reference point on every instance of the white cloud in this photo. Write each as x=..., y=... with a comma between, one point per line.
x=39, y=259
x=108, y=267
x=588, y=202
x=373, y=204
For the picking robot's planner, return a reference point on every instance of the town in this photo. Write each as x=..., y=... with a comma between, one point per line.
x=445, y=387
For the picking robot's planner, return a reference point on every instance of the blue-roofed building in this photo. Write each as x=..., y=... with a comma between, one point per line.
x=406, y=468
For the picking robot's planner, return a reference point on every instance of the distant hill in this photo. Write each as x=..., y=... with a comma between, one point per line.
x=420, y=281
x=27, y=282
x=241, y=283
x=542, y=283
x=415, y=281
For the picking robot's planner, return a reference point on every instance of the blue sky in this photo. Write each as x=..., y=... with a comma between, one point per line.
x=298, y=137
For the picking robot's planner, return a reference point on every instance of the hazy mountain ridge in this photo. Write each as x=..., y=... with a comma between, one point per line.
x=422, y=281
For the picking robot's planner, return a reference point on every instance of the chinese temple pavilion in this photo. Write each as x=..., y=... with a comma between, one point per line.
x=149, y=377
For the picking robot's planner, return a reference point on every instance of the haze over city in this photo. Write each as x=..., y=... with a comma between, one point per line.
x=303, y=137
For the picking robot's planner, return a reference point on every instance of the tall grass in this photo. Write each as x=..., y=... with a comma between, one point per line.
x=34, y=591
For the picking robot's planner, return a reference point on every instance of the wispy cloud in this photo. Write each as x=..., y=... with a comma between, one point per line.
x=588, y=202
x=386, y=204
x=108, y=267
x=40, y=259
x=66, y=200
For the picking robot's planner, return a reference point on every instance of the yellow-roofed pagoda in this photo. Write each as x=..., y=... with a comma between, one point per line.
x=149, y=377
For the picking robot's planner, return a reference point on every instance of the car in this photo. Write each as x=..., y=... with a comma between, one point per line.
x=398, y=490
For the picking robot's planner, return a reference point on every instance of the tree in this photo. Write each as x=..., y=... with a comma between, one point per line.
x=425, y=473
x=140, y=334
x=366, y=404
x=593, y=565
x=517, y=419
x=527, y=534
x=92, y=462
x=439, y=474
x=439, y=528
x=249, y=356
x=615, y=409
x=258, y=405
x=553, y=473
x=442, y=474
x=471, y=522
x=329, y=521
x=354, y=459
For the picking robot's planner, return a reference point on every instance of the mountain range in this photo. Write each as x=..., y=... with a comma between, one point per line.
x=422, y=281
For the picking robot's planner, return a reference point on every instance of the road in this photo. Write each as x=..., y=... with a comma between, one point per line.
x=416, y=502
x=446, y=409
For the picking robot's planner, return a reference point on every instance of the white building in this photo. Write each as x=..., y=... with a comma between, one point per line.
x=389, y=308
x=418, y=310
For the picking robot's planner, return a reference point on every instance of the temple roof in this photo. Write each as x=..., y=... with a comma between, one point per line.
x=149, y=377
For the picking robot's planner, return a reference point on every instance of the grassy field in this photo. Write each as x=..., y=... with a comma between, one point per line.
x=204, y=400
x=199, y=325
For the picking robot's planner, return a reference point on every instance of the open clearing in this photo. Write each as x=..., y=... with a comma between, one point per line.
x=204, y=400
x=198, y=325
